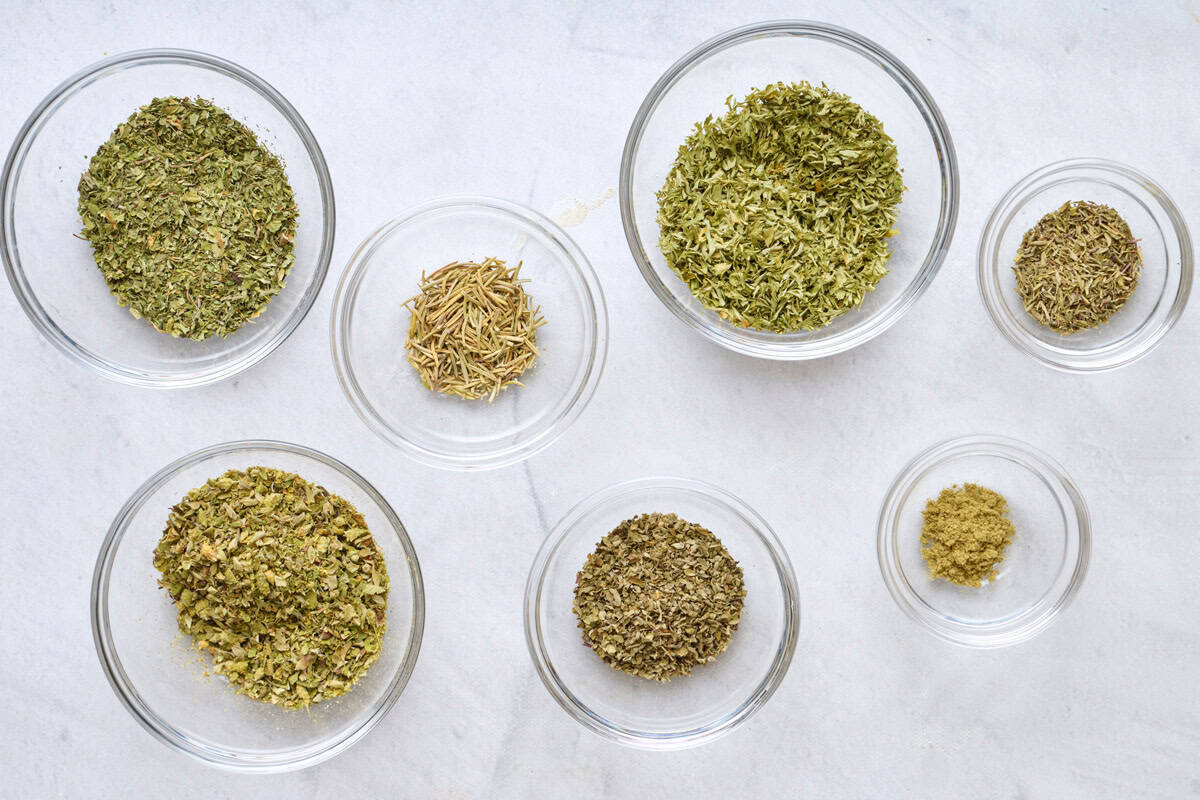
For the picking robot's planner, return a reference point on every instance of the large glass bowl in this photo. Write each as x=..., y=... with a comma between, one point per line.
x=1042, y=568
x=164, y=681
x=51, y=268
x=1163, y=287
x=369, y=326
x=715, y=697
x=743, y=59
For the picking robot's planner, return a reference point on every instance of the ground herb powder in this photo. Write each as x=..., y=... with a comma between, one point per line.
x=965, y=534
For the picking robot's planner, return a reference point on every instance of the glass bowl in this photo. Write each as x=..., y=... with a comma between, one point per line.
x=51, y=268
x=370, y=323
x=164, y=681
x=1162, y=290
x=1042, y=568
x=751, y=57
x=713, y=699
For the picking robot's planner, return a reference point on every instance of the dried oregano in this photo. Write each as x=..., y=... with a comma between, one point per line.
x=1077, y=266
x=280, y=581
x=777, y=215
x=191, y=220
x=472, y=329
x=659, y=596
x=965, y=533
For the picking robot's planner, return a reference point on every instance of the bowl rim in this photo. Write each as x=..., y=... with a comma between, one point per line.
x=11, y=173
x=867, y=328
x=988, y=266
x=726, y=722
x=160, y=728
x=595, y=308
x=991, y=635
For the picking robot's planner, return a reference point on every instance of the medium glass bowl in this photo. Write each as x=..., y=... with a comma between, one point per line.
x=370, y=324
x=51, y=268
x=715, y=697
x=1042, y=568
x=743, y=59
x=1162, y=290
x=164, y=681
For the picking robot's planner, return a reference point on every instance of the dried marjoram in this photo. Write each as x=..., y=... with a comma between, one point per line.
x=280, y=581
x=965, y=533
x=777, y=215
x=659, y=596
x=191, y=220
x=1077, y=266
x=473, y=329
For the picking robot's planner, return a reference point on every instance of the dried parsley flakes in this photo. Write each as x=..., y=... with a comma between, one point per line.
x=777, y=214
x=965, y=534
x=280, y=581
x=659, y=596
x=1077, y=266
x=191, y=220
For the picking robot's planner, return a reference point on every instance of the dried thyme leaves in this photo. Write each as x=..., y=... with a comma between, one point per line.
x=965, y=534
x=1077, y=266
x=473, y=329
x=658, y=596
x=191, y=220
x=777, y=214
x=280, y=581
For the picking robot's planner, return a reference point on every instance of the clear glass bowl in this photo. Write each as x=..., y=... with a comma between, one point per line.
x=751, y=57
x=52, y=270
x=1163, y=287
x=689, y=710
x=163, y=680
x=370, y=323
x=1042, y=568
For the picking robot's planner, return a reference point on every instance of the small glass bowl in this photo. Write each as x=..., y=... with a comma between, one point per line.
x=713, y=699
x=51, y=268
x=1042, y=568
x=751, y=57
x=164, y=681
x=369, y=325
x=1163, y=287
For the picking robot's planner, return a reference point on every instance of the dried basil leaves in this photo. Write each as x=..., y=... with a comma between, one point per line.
x=191, y=220
x=658, y=597
x=777, y=215
x=279, y=581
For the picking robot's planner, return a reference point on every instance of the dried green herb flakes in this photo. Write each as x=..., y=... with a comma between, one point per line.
x=280, y=581
x=191, y=220
x=659, y=596
x=777, y=214
x=1077, y=266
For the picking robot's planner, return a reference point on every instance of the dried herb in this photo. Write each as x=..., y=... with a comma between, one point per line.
x=191, y=220
x=777, y=215
x=659, y=596
x=280, y=581
x=1077, y=266
x=473, y=329
x=965, y=534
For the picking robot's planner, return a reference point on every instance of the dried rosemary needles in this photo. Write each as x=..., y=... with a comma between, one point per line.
x=473, y=329
x=659, y=596
x=191, y=220
x=1077, y=266
x=777, y=215
x=280, y=581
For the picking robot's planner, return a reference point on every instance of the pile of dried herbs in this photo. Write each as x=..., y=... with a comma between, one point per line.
x=777, y=215
x=965, y=532
x=191, y=220
x=280, y=581
x=1077, y=266
x=473, y=329
x=659, y=596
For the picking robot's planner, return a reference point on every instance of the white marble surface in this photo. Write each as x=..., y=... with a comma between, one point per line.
x=533, y=102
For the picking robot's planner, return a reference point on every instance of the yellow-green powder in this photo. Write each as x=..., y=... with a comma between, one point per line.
x=965, y=534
